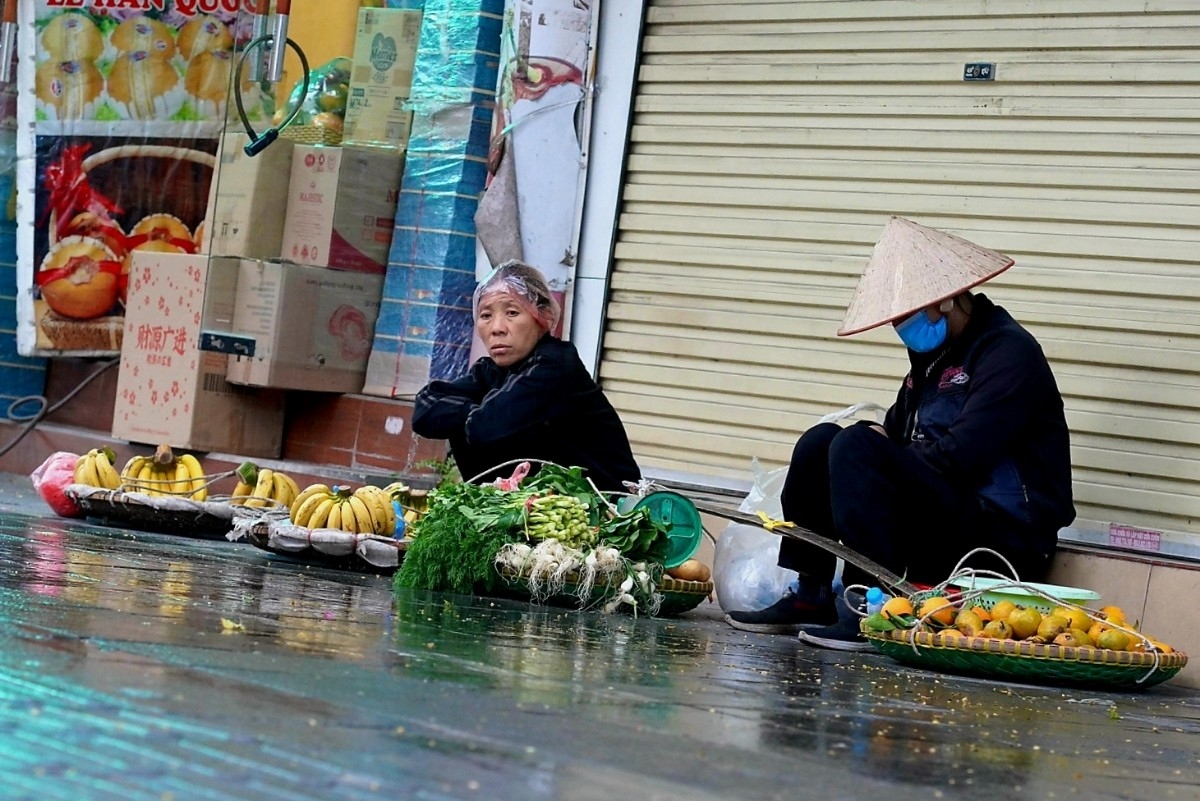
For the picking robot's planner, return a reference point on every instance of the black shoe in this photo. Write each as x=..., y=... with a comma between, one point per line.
x=843, y=635
x=786, y=615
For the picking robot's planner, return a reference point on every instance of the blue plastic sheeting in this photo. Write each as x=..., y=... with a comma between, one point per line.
x=424, y=326
x=20, y=376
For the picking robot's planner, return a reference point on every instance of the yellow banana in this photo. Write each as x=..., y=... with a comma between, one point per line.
x=363, y=524
x=320, y=515
x=164, y=475
x=196, y=477
x=182, y=485
x=145, y=475
x=109, y=477
x=263, y=487
x=241, y=492
x=381, y=510
x=374, y=508
x=335, y=514
x=85, y=471
x=131, y=468
x=280, y=491
x=293, y=487
x=302, y=510
x=302, y=496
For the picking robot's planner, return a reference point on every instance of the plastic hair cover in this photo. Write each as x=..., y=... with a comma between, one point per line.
x=526, y=285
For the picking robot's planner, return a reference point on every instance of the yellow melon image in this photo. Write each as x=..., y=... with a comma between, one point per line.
x=202, y=34
x=79, y=288
x=147, y=35
x=68, y=87
x=161, y=226
x=138, y=81
x=72, y=37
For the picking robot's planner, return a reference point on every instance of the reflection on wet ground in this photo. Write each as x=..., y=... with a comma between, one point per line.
x=148, y=666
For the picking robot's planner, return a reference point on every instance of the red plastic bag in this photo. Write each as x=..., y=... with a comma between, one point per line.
x=52, y=478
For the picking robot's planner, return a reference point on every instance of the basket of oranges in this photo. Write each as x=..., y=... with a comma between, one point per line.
x=1052, y=641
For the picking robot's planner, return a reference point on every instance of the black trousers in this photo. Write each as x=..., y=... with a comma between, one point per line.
x=855, y=485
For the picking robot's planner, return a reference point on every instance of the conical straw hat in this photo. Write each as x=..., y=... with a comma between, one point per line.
x=913, y=267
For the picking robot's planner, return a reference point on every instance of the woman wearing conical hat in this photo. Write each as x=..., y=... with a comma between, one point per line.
x=973, y=453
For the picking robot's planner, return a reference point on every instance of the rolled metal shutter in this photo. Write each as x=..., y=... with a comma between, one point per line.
x=772, y=140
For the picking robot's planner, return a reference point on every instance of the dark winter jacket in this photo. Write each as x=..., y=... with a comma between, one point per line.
x=986, y=413
x=545, y=407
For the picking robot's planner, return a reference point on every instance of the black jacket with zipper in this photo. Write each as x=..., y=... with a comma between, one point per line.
x=985, y=412
x=544, y=407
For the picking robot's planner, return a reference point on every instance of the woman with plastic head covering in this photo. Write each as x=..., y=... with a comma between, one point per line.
x=973, y=453
x=530, y=398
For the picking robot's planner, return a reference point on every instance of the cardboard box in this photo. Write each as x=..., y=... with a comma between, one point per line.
x=341, y=208
x=385, y=47
x=312, y=327
x=168, y=390
x=248, y=199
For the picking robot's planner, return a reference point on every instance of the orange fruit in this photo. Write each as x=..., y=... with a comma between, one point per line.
x=983, y=614
x=1113, y=640
x=1076, y=617
x=1113, y=614
x=1072, y=637
x=939, y=608
x=896, y=606
x=1162, y=646
x=1025, y=622
x=1052, y=625
x=1096, y=630
x=997, y=630
x=1002, y=609
x=968, y=623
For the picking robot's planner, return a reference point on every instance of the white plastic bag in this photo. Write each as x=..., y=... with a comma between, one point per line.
x=745, y=574
x=764, y=495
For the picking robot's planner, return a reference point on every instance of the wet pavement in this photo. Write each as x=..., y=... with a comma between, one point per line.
x=143, y=666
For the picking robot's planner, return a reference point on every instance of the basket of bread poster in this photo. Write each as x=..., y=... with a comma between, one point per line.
x=169, y=63
x=98, y=201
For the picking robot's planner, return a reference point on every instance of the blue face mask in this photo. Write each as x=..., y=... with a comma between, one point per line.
x=920, y=335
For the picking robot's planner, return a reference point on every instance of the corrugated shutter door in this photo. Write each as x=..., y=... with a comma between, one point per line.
x=772, y=140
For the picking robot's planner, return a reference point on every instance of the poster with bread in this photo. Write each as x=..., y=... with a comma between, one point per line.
x=120, y=110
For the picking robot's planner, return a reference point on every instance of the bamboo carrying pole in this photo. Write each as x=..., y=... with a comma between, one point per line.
x=795, y=532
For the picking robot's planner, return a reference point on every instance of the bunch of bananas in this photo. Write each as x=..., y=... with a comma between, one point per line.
x=367, y=510
x=263, y=487
x=165, y=474
x=414, y=502
x=560, y=517
x=95, y=468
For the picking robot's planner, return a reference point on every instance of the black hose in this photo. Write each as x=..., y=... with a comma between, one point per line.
x=259, y=142
x=31, y=420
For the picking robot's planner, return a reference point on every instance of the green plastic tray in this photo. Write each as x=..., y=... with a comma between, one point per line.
x=686, y=530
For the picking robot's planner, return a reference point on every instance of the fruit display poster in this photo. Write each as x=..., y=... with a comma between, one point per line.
x=119, y=108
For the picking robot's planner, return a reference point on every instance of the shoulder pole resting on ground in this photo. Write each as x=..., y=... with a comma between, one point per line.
x=881, y=573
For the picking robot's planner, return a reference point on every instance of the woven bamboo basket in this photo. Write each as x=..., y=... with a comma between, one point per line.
x=339, y=550
x=164, y=515
x=1038, y=663
x=312, y=135
x=112, y=154
x=677, y=596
